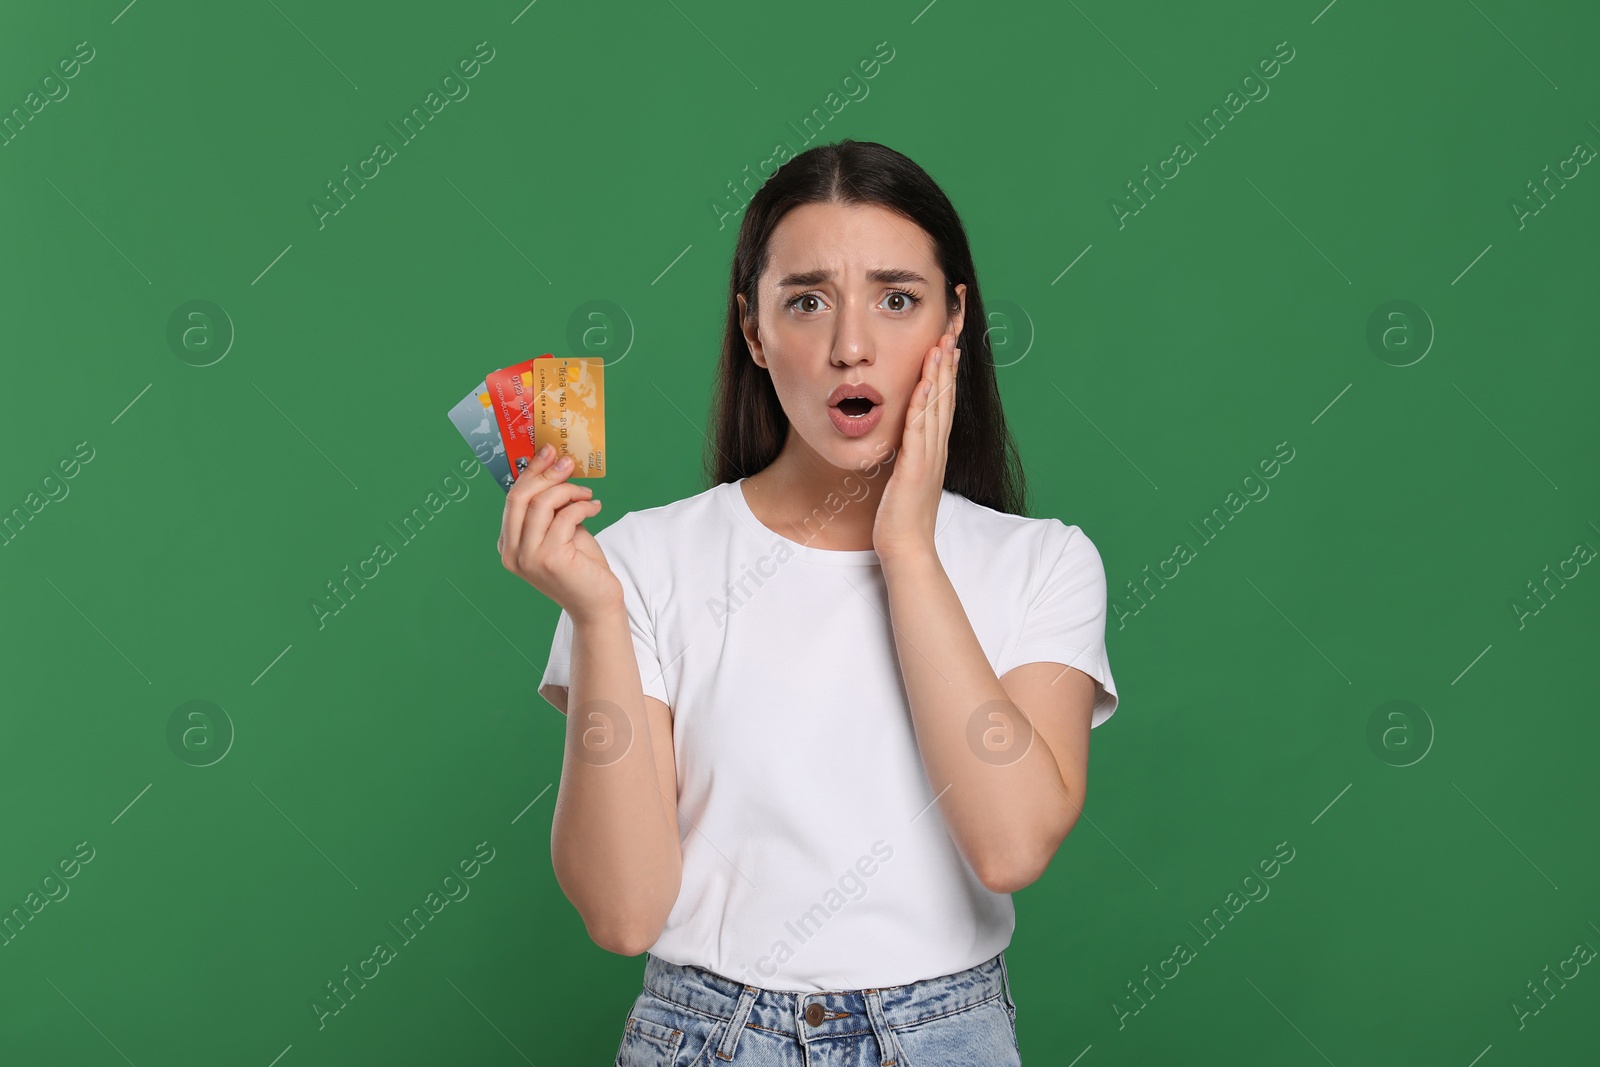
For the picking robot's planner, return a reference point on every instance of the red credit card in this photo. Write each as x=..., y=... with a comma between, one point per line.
x=512, y=399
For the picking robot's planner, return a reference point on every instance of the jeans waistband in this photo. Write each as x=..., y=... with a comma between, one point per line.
x=816, y=1016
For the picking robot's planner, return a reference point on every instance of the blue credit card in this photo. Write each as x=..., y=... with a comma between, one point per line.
x=474, y=418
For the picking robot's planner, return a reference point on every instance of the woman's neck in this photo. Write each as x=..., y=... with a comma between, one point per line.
x=816, y=503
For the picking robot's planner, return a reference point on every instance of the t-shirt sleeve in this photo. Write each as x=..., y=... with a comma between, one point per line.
x=1066, y=620
x=629, y=562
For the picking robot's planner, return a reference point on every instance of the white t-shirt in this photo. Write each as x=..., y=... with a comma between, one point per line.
x=814, y=857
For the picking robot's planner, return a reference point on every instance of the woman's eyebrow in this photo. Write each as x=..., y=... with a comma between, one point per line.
x=890, y=275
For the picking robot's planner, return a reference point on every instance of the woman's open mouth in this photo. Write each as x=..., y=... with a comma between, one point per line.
x=855, y=409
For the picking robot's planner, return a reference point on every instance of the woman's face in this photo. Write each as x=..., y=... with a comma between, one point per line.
x=852, y=294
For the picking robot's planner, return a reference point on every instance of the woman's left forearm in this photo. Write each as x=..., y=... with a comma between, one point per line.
x=1007, y=813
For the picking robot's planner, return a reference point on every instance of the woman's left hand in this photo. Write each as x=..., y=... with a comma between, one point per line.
x=909, y=510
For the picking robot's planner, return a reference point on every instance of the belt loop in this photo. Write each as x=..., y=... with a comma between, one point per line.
x=736, y=1021
x=1005, y=981
x=888, y=1048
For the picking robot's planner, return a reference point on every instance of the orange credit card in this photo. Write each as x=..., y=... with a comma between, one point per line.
x=555, y=401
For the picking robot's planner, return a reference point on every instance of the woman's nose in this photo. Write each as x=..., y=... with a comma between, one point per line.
x=853, y=343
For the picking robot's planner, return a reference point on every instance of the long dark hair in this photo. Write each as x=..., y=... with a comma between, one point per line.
x=750, y=426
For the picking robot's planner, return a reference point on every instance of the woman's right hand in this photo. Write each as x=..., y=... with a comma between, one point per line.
x=542, y=543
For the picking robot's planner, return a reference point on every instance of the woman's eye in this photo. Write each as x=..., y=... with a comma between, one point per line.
x=799, y=301
x=907, y=301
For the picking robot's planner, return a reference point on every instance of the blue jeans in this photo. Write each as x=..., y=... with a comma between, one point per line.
x=691, y=1017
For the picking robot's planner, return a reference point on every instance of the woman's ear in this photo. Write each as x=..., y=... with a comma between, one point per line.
x=959, y=318
x=748, y=327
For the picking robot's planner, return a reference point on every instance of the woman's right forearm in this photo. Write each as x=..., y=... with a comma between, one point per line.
x=614, y=843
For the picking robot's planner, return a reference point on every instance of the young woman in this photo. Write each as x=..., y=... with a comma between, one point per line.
x=825, y=716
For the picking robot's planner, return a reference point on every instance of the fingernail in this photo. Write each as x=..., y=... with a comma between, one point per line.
x=546, y=451
x=564, y=462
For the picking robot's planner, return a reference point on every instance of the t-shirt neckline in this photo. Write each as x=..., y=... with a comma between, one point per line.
x=733, y=497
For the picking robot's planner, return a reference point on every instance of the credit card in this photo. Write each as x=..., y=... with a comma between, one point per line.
x=555, y=401
x=475, y=421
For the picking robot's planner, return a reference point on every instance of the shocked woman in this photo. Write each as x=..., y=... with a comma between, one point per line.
x=826, y=715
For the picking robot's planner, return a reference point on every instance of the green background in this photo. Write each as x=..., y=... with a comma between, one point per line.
x=373, y=752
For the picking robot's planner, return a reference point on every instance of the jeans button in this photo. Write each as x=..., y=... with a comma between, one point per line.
x=814, y=1013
